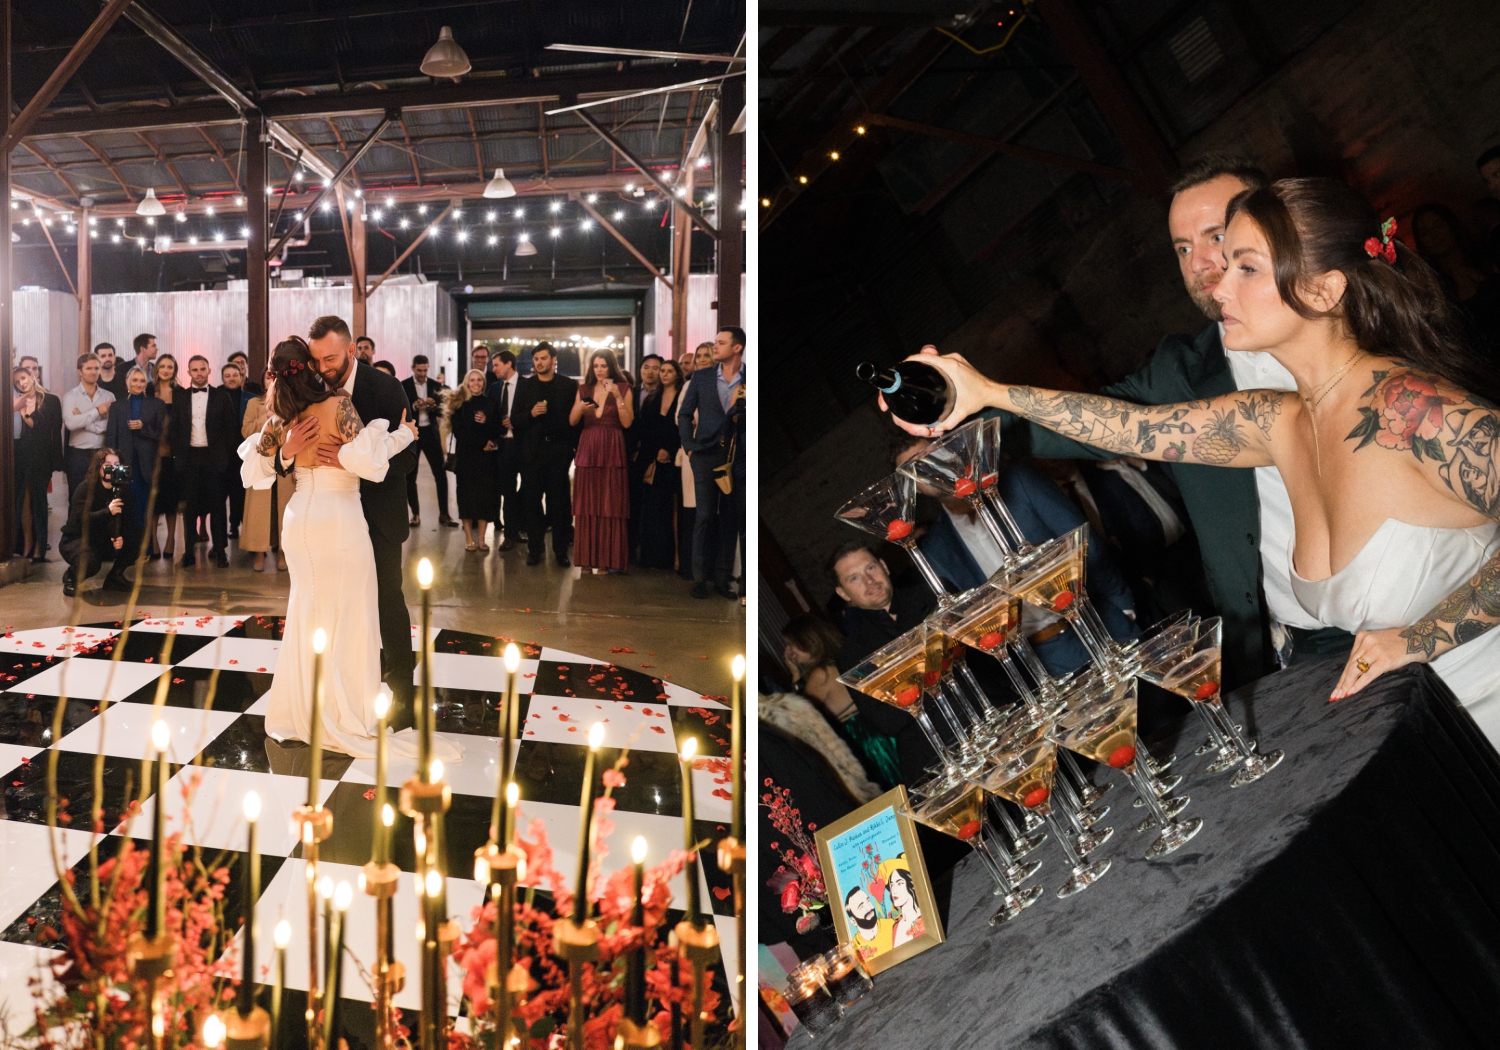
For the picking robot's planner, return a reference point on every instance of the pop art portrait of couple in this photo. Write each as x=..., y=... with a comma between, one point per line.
x=879, y=892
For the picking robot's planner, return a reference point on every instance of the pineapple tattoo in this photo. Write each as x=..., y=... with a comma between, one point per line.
x=1220, y=442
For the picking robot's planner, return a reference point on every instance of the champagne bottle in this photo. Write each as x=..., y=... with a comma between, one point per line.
x=913, y=391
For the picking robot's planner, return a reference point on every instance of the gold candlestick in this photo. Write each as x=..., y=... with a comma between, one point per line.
x=500, y=869
x=380, y=881
x=313, y=826
x=732, y=850
x=689, y=834
x=425, y=712
x=151, y=959
x=283, y=937
x=701, y=946
x=425, y=802
x=578, y=945
x=732, y=860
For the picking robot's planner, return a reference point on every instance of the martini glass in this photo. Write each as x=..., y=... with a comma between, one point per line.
x=958, y=810
x=964, y=464
x=1105, y=731
x=1025, y=777
x=895, y=674
x=944, y=655
x=885, y=510
x=1196, y=676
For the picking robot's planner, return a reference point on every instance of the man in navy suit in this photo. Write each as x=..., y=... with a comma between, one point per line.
x=717, y=395
x=426, y=397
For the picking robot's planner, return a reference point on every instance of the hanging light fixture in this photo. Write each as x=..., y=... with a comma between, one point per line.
x=445, y=58
x=524, y=245
x=149, y=204
x=499, y=186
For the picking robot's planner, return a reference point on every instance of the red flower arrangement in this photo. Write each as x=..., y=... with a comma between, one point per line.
x=799, y=878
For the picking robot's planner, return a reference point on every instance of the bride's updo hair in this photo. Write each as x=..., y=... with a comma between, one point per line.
x=1392, y=309
x=298, y=383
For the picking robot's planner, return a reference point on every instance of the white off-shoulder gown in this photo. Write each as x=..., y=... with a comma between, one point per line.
x=332, y=569
x=1400, y=576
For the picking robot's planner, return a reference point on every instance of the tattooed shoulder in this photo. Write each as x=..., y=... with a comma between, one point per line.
x=1470, y=470
x=346, y=420
x=1261, y=407
x=271, y=437
x=1404, y=412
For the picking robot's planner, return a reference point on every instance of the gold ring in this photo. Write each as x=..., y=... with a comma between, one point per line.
x=1362, y=664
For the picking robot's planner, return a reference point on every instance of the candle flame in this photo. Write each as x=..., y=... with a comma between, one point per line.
x=512, y=793
x=638, y=849
x=482, y=870
x=343, y=897
x=434, y=882
x=325, y=887
x=418, y=877
x=421, y=931
x=737, y=667
x=424, y=574
x=512, y=658
x=383, y=701
x=689, y=748
x=161, y=735
x=283, y=933
x=213, y=1031
x=388, y=815
x=596, y=736
x=436, y=770
x=307, y=832
x=252, y=806
x=320, y=641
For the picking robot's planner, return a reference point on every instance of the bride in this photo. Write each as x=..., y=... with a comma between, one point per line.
x=329, y=558
x=1387, y=447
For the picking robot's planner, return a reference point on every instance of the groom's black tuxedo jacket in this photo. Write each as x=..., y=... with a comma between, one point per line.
x=379, y=396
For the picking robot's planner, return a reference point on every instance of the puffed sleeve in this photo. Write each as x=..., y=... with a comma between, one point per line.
x=256, y=471
x=369, y=454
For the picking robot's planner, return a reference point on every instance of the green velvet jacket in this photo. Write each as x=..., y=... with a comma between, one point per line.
x=1221, y=501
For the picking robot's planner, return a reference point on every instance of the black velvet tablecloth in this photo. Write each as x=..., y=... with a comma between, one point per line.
x=1349, y=899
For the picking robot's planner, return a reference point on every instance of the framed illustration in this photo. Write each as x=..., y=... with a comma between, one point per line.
x=878, y=890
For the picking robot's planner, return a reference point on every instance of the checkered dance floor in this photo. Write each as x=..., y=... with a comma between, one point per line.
x=564, y=693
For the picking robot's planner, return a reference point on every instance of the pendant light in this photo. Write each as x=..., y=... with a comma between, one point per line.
x=445, y=58
x=499, y=186
x=150, y=205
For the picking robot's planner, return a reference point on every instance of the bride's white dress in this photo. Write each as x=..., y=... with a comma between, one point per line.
x=332, y=569
x=1400, y=576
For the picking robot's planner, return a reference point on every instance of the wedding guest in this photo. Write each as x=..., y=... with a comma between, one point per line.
x=650, y=382
x=37, y=433
x=716, y=395
x=252, y=388
x=134, y=432
x=110, y=377
x=650, y=377
x=660, y=482
x=687, y=511
x=540, y=416
x=1468, y=277
x=164, y=389
x=85, y=411
x=810, y=650
x=703, y=356
x=110, y=517
x=205, y=435
x=233, y=378
x=145, y=354
x=480, y=359
x=502, y=395
x=601, y=494
x=1243, y=519
x=364, y=349
x=386, y=367
x=426, y=395
x=687, y=362
x=476, y=433
x=265, y=508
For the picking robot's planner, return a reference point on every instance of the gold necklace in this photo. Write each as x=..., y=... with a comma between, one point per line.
x=1316, y=399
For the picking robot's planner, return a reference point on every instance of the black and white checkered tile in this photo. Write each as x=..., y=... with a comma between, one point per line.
x=564, y=693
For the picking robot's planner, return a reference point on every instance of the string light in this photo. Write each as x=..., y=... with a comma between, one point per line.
x=520, y=213
x=555, y=207
x=493, y=239
x=244, y=231
x=377, y=213
x=463, y=235
x=708, y=198
x=421, y=209
x=390, y=202
x=115, y=238
x=834, y=155
x=587, y=224
x=619, y=214
x=556, y=232
x=182, y=216
x=860, y=130
x=327, y=206
x=119, y=222
x=208, y=210
x=489, y=216
x=297, y=174
x=94, y=234
x=193, y=239
x=458, y=213
x=405, y=223
x=592, y=198
x=218, y=235
x=651, y=204
x=150, y=221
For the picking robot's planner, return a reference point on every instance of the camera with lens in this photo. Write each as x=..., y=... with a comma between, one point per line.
x=117, y=474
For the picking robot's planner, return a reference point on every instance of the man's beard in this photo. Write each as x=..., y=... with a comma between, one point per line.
x=868, y=924
x=1203, y=299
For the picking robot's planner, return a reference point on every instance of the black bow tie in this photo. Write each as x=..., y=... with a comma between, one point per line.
x=199, y=390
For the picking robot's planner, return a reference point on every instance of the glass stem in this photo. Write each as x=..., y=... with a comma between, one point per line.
x=1062, y=840
x=1067, y=802
x=1033, y=664
x=960, y=700
x=1010, y=828
x=1206, y=713
x=996, y=871
x=987, y=708
x=929, y=575
x=1017, y=680
x=992, y=526
x=1003, y=513
x=1251, y=758
x=925, y=721
x=1142, y=781
x=1098, y=652
x=939, y=698
x=1066, y=761
x=1089, y=613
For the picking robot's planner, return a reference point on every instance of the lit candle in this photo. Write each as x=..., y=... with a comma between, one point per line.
x=156, y=918
x=315, y=734
x=737, y=748
x=388, y=818
x=325, y=890
x=512, y=800
x=585, y=815
x=424, y=703
x=341, y=900
x=635, y=965
x=689, y=837
x=382, y=847
x=283, y=937
x=246, y=999
x=507, y=734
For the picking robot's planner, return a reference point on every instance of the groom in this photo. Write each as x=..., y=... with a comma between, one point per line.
x=375, y=395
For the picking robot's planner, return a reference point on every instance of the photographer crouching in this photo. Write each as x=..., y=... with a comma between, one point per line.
x=107, y=507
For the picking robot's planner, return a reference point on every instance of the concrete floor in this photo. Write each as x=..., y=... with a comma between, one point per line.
x=685, y=640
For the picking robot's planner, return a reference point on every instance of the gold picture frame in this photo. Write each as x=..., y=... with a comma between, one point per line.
x=860, y=853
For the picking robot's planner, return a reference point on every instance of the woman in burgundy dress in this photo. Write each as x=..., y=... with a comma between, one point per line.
x=601, y=481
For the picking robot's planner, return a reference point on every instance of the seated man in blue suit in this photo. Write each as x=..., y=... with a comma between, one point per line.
x=964, y=554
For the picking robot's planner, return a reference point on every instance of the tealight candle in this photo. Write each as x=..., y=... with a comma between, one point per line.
x=585, y=820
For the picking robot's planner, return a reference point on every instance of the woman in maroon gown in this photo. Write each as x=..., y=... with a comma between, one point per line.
x=601, y=481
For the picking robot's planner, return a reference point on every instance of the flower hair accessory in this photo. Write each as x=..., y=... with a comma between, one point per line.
x=1383, y=247
x=290, y=370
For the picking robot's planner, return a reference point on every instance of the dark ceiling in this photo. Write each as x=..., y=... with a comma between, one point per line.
x=300, y=60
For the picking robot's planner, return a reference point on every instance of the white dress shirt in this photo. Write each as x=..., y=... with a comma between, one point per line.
x=509, y=400
x=1254, y=371
x=82, y=419
x=198, y=399
x=421, y=389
